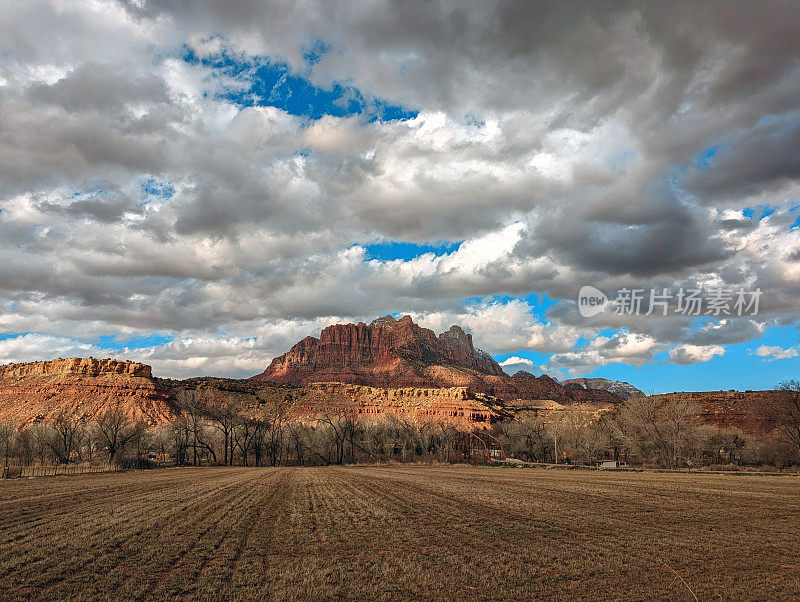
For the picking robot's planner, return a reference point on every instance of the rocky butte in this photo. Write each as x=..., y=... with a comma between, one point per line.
x=87, y=387
x=388, y=350
x=457, y=406
x=390, y=366
x=399, y=353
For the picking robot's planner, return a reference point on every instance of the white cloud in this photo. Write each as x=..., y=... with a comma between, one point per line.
x=33, y=347
x=514, y=364
x=623, y=347
x=517, y=360
x=503, y=327
x=694, y=354
x=774, y=352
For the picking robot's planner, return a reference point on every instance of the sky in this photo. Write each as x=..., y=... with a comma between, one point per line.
x=199, y=185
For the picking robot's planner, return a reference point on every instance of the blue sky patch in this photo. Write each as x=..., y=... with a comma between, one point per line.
x=759, y=212
x=391, y=250
x=156, y=188
x=705, y=158
x=272, y=83
x=737, y=369
x=139, y=342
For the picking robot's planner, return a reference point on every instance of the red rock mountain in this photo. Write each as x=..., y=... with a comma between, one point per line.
x=385, y=350
x=86, y=388
x=400, y=353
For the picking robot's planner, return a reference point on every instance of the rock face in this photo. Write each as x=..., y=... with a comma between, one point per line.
x=75, y=365
x=386, y=352
x=617, y=387
x=399, y=353
x=457, y=406
x=39, y=391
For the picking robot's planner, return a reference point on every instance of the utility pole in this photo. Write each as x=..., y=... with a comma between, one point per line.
x=555, y=445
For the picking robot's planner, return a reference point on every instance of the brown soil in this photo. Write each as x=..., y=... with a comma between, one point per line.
x=400, y=532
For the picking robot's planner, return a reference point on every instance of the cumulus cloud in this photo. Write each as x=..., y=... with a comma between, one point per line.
x=775, y=352
x=694, y=354
x=503, y=327
x=515, y=364
x=623, y=348
x=619, y=145
x=33, y=347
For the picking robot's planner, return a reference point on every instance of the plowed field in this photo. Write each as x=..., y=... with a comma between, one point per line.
x=398, y=532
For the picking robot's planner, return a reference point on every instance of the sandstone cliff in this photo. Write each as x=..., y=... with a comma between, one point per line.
x=387, y=352
x=745, y=410
x=457, y=406
x=399, y=353
x=75, y=365
x=38, y=391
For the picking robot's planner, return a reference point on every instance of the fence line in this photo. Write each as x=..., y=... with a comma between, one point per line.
x=44, y=470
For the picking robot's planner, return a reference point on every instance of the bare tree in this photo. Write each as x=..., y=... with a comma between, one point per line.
x=223, y=418
x=245, y=434
x=274, y=427
x=715, y=445
x=41, y=438
x=196, y=429
x=342, y=432
x=180, y=440
x=66, y=435
x=594, y=442
x=114, y=431
x=657, y=429
x=8, y=436
x=335, y=425
x=140, y=439
x=564, y=428
x=26, y=444
x=447, y=434
x=161, y=439
x=527, y=438
x=297, y=442
x=783, y=412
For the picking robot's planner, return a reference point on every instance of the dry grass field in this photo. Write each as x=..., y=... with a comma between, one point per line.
x=395, y=532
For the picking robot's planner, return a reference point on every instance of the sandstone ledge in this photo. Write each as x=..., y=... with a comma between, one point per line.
x=76, y=365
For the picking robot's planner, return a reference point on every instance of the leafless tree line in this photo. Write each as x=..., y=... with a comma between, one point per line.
x=652, y=431
x=110, y=438
x=221, y=430
x=225, y=433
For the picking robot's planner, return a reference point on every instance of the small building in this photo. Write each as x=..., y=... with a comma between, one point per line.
x=607, y=464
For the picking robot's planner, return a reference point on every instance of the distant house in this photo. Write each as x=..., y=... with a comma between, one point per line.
x=607, y=464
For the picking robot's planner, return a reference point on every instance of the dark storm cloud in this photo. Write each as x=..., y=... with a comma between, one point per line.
x=675, y=241
x=46, y=146
x=99, y=209
x=100, y=87
x=762, y=158
x=727, y=332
